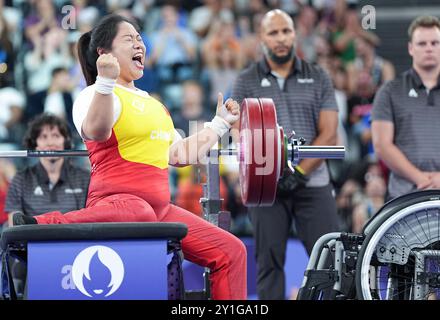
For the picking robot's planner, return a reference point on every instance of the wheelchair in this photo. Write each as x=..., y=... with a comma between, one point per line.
x=396, y=257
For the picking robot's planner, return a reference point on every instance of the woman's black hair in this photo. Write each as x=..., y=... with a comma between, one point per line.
x=45, y=119
x=101, y=36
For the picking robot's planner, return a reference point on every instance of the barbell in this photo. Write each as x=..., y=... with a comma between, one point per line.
x=263, y=152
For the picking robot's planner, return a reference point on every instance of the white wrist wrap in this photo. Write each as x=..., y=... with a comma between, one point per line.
x=104, y=85
x=218, y=125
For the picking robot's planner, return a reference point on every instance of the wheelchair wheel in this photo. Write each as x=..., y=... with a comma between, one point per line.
x=400, y=256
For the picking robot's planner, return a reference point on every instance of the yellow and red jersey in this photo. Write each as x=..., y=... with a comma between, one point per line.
x=135, y=158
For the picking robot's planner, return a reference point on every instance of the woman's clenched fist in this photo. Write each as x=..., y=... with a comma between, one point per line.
x=108, y=66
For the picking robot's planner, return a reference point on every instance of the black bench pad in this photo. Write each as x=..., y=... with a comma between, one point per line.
x=92, y=231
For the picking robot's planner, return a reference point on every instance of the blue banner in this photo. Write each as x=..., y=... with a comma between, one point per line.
x=106, y=270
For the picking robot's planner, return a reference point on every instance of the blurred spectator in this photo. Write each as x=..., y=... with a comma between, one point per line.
x=249, y=28
x=229, y=6
x=189, y=5
x=348, y=30
x=192, y=111
x=372, y=200
x=360, y=106
x=173, y=56
x=221, y=34
x=79, y=6
x=346, y=200
x=147, y=14
x=43, y=18
x=12, y=103
x=174, y=48
x=84, y=14
x=339, y=78
x=307, y=35
x=324, y=55
x=57, y=99
x=251, y=8
x=75, y=73
x=7, y=56
x=59, y=95
x=86, y=18
x=248, y=23
x=379, y=69
x=223, y=72
x=291, y=6
x=50, y=51
x=222, y=56
x=13, y=18
x=201, y=18
x=114, y=5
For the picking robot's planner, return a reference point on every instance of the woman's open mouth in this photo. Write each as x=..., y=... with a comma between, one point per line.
x=138, y=61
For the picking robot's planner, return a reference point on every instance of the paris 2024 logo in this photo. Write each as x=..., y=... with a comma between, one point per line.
x=81, y=270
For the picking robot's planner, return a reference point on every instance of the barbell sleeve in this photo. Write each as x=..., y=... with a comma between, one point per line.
x=321, y=152
x=39, y=154
x=14, y=154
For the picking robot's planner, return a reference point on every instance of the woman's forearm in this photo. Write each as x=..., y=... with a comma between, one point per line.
x=193, y=149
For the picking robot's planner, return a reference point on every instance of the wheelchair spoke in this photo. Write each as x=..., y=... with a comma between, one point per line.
x=403, y=254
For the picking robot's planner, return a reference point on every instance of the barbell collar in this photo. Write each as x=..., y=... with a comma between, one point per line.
x=228, y=152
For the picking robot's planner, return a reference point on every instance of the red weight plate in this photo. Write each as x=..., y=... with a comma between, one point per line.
x=251, y=133
x=271, y=153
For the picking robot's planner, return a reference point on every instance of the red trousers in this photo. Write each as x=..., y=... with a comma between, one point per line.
x=205, y=244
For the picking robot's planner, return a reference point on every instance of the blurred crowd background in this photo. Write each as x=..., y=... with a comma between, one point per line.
x=196, y=48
